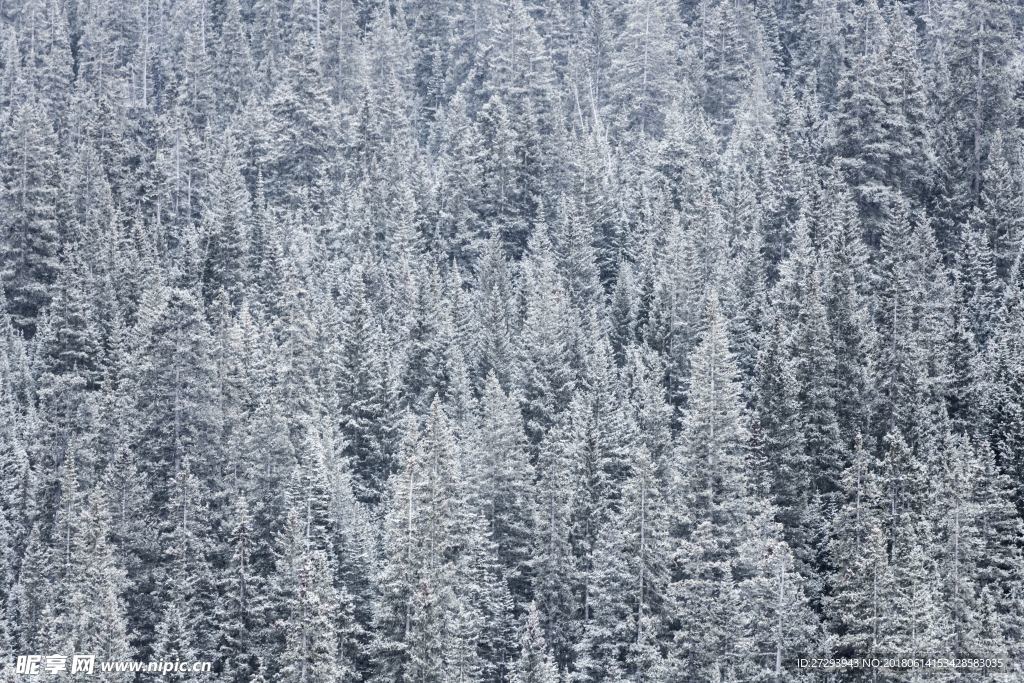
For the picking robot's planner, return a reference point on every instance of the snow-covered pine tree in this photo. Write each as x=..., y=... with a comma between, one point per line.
x=726, y=543
x=30, y=228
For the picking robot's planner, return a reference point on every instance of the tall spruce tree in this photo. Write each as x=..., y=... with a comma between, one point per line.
x=30, y=227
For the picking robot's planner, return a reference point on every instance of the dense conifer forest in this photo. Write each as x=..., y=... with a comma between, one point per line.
x=512, y=341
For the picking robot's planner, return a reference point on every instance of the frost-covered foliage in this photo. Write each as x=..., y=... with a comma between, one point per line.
x=516, y=341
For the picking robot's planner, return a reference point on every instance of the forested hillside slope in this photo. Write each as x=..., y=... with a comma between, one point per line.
x=512, y=340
